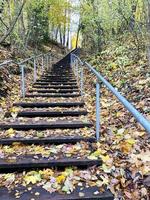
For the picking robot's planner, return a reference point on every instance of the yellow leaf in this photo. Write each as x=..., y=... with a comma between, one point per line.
x=10, y=132
x=98, y=153
x=60, y=179
x=105, y=158
x=131, y=141
x=113, y=65
x=3, y=104
x=32, y=177
x=46, y=174
x=14, y=110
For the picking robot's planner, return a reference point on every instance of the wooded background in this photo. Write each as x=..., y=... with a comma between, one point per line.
x=26, y=22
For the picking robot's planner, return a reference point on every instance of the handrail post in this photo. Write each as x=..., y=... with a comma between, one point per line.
x=71, y=60
x=97, y=110
x=50, y=62
x=35, y=70
x=42, y=64
x=74, y=66
x=81, y=80
x=77, y=66
x=47, y=57
x=23, y=90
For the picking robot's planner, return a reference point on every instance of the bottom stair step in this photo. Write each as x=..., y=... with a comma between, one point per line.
x=44, y=195
x=48, y=140
x=28, y=162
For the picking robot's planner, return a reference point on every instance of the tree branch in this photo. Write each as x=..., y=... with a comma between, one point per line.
x=3, y=23
x=13, y=24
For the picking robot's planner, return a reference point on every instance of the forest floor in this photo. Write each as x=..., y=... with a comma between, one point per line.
x=127, y=145
x=124, y=145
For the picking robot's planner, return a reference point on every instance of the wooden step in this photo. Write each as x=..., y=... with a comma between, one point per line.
x=52, y=95
x=46, y=125
x=47, y=105
x=55, y=86
x=58, y=76
x=48, y=140
x=61, y=74
x=44, y=195
x=55, y=83
x=54, y=91
x=57, y=79
x=57, y=70
x=29, y=162
x=48, y=113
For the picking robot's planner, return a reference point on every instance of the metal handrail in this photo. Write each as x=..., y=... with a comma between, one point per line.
x=136, y=114
x=6, y=63
x=23, y=61
x=46, y=56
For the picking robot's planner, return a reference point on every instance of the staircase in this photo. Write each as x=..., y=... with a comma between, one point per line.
x=54, y=104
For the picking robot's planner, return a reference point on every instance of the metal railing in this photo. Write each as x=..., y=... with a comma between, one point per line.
x=75, y=63
x=46, y=60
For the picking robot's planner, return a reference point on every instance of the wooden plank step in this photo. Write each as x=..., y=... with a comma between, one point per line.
x=58, y=69
x=47, y=105
x=60, y=74
x=54, y=91
x=52, y=95
x=56, y=81
x=49, y=113
x=43, y=86
x=46, y=125
x=29, y=162
x=44, y=195
x=48, y=140
x=58, y=78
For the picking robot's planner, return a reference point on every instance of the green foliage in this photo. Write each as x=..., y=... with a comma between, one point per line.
x=105, y=20
x=39, y=21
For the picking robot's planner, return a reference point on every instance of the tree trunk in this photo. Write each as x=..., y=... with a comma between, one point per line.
x=78, y=32
x=12, y=24
x=56, y=33
x=68, y=36
x=60, y=34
